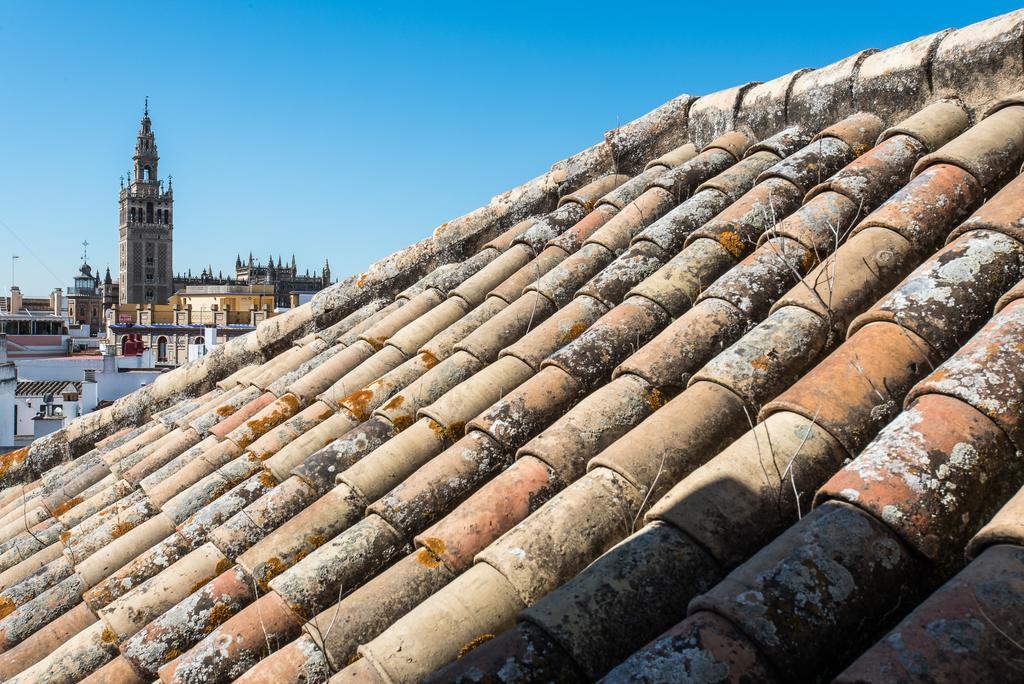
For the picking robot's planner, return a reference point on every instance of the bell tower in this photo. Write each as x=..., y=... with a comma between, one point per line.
x=147, y=226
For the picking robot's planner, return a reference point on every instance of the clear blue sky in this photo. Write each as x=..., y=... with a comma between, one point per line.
x=349, y=131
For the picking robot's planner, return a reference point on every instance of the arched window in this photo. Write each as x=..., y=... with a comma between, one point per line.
x=149, y=212
x=145, y=173
x=124, y=345
x=131, y=215
x=161, y=349
x=199, y=340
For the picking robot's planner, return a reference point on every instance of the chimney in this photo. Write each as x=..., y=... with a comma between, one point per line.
x=15, y=299
x=56, y=300
x=110, y=358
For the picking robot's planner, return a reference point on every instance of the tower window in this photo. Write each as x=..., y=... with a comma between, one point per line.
x=132, y=215
x=149, y=212
x=145, y=170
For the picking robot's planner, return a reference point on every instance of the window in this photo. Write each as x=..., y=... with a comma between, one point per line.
x=132, y=215
x=149, y=295
x=149, y=212
x=161, y=349
x=145, y=170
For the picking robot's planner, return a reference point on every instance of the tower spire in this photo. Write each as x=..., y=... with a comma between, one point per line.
x=145, y=112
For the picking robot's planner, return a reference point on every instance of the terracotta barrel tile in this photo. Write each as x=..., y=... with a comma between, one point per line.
x=387, y=359
x=771, y=356
x=339, y=565
x=71, y=512
x=32, y=585
x=526, y=410
x=757, y=282
x=418, y=331
x=262, y=422
x=475, y=606
x=363, y=402
x=638, y=261
x=295, y=452
x=669, y=233
x=130, y=499
x=654, y=203
x=323, y=376
x=860, y=387
x=36, y=614
x=812, y=598
x=194, y=472
x=132, y=611
x=224, y=407
x=811, y=164
x=686, y=344
x=347, y=330
x=853, y=277
x=442, y=483
x=243, y=413
x=300, y=661
x=561, y=282
x=521, y=654
x=182, y=441
x=124, y=548
x=1016, y=292
x=720, y=154
x=117, y=671
x=242, y=530
x=147, y=483
x=469, y=398
x=26, y=544
x=744, y=496
x=599, y=419
x=397, y=458
x=987, y=373
x=174, y=632
x=360, y=671
x=82, y=548
x=442, y=345
x=287, y=362
x=321, y=468
x=565, y=534
x=673, y=158
x=933, y=126
x=965, y=631
x=274, y=439
x=74, y=659
x=281, y=385
x=487, y=514
x=371, y=608
x=506, y=327
x=1006, y=527
x=94, y=470
x=595, y=190
x=1002, y=213
x=740, y=224
x=572, y=239
x=380, y=331
x=821, y=223
x=401, y=409
x=875, y=175
x=45, y=641
x=934, y=475
x=147, y=564
x=35, y=562
x=597, y=617
x=701, y=642
x=988, y=149
x=211, y=516
x=592, y=356
x=924, y=209
x=477, y=287
x=297, y=537
x=954, y=291
x=235, y=646
x=152, y=433
x=782, y=144
x=676, y=285
x=211, y=487
x=512, y=287
x=621, y=196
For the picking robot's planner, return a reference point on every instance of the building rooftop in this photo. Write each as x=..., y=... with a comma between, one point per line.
x=735, y=394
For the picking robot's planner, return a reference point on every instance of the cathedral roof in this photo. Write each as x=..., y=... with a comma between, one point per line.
x=735, y=393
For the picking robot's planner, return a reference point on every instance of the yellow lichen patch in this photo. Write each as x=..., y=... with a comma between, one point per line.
x=64, y=536
x=269, y=569
x=267, y=479
x=573, y=332
x=760, y=363
x=6, y=606
x=429, y=360
x=395, y=402
x=316, y=539
x=401, y=422
x=121, y=529
x=655, y=399
x=362, y=280
x=219, y=614
x=732, y=242
x=108, y=636
x=11, y=459
x=171, y=655
x=225, y=410
x=223, y=564
x=440, y=229
x=375, y=342
x=809, y=260
x=356, y=658
x=66, y=506
x=199, y=585
x=359, y=403
x=429, y=554
x=473, y=643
